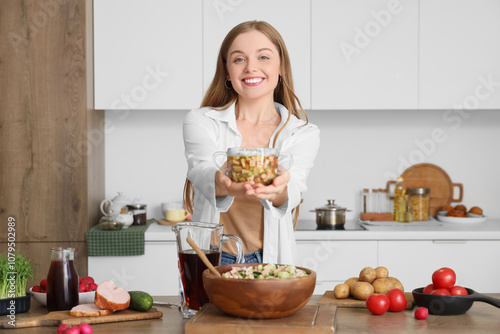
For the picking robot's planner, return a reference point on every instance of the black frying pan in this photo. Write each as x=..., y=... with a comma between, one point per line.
x=450, y=305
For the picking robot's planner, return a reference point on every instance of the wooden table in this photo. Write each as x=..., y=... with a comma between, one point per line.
x=481, y=318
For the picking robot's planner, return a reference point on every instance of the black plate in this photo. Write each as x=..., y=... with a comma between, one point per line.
x=450, y=305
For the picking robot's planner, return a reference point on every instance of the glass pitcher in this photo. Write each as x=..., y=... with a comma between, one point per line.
x=62, y=280
x=209, y=238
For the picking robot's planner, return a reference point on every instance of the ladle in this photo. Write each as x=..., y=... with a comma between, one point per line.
x=202, y=256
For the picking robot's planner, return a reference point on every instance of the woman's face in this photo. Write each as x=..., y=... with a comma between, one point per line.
x=253, y=65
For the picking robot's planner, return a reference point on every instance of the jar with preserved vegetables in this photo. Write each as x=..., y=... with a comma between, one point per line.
x=420, y=203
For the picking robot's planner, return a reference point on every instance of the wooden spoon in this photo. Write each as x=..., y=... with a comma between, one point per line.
x=202, y=256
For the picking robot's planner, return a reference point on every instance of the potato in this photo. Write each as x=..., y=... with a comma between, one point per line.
x=368, y=274
x=341, y=291
x=382, y=272
x=361, y=290
x=382, y=285
x=351, y=281
x=396, y=284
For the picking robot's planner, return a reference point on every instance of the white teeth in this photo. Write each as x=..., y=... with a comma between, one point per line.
x=252, y=81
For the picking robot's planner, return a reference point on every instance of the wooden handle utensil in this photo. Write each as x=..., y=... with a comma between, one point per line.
x=202, y=256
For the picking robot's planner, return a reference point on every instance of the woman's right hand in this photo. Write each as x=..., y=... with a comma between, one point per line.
x=225, y=186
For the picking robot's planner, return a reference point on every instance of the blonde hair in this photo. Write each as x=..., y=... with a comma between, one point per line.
x=219, y=97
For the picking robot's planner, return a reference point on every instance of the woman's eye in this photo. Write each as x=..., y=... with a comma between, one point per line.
x=238, y=60
x=264, y=57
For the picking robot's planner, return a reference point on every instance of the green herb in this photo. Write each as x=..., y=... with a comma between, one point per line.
x=14, y=274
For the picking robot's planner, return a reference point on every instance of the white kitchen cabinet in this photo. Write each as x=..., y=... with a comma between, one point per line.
x=148, y=54
x=335, y=261
x=364, y=54
x=155, y=272
x=459, y=55
x=290, y=17
x=475, y=262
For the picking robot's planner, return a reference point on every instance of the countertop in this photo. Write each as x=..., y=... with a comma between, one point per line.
x=428, y=230
x=481, y=318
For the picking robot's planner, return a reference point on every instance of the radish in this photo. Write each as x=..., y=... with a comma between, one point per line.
x=62, y=328
x=85, y=329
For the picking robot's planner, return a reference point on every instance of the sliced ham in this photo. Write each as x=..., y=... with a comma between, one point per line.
x=88, y=310
x=109, y=297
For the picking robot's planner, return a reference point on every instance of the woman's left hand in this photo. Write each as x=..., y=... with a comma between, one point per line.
x=275, y=192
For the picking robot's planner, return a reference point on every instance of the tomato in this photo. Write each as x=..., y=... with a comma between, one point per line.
x=458, y=291
x=443, y=292
x=397, y=300
x=429, y=288
x=377, y=303
x=421, y=313
x=444, y=278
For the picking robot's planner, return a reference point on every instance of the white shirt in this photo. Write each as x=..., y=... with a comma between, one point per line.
x=207, y=131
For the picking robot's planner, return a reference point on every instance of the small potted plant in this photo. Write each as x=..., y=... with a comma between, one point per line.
x=15, y=271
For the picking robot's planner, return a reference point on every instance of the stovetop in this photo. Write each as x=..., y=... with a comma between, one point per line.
x=310, y=225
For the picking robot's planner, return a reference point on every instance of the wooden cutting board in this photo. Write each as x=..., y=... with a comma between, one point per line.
x=329, y=298
x=63, y=317
x=430, y=176
x=318, y=319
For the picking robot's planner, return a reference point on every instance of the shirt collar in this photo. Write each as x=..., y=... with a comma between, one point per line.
x=228, y=115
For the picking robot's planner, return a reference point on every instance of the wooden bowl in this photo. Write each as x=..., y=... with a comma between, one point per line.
x=258, y=298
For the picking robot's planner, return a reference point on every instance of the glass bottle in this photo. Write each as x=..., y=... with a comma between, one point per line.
x=62, y=280
x=364, y=201
x=399, y=201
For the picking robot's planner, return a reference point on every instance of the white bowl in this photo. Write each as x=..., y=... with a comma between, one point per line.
x=84, y=297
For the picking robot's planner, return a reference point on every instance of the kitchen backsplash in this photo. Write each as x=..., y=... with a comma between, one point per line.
x=359, y=149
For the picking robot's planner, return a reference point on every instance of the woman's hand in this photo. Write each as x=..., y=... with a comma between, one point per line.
x=224, y=186
x=275, y=192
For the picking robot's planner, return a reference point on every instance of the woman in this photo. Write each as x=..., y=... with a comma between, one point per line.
x=250, y=103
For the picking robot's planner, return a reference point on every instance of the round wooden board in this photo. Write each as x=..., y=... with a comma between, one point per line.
x=430, y=176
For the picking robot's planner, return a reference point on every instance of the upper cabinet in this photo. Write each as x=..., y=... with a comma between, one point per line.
x=148, y=54
x=459, y=54
x=292, y=18
x=364, y=54
x=345, y=54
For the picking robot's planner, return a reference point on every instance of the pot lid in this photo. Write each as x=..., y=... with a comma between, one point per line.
x=331, y=206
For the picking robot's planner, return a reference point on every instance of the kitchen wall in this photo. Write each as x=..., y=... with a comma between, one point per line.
x=359, y=149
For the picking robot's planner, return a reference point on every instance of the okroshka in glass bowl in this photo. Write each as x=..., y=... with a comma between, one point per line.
x=258, y=164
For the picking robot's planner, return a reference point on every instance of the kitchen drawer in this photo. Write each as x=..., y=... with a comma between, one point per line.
x=336, y=260
x=154, y=272
x=413, y=262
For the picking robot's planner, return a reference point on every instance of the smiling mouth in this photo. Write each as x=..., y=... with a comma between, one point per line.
x=253, y=81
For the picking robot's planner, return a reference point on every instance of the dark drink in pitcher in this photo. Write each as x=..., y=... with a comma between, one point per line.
x=191, y=268
x=62, y=280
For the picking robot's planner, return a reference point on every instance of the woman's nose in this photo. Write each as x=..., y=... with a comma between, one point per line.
x=251, y=65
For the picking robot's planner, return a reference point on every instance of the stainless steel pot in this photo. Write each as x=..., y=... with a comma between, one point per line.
x=330, y=215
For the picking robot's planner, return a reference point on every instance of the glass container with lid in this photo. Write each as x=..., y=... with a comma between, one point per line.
x=420, y=202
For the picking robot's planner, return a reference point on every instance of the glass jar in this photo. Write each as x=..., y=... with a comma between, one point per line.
x=139, y=212
x=62, y=280
x=109, y=223
x=420, y=203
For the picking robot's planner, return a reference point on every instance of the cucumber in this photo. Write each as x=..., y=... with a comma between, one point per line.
x=140, y=301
